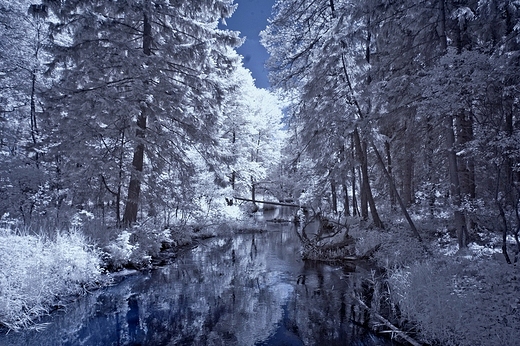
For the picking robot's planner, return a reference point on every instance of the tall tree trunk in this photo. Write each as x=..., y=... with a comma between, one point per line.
x=355, y=209
x=460, y=221
x=334, y=196
x=233, y=173
x=455, y=187
x=34, y=124
x=408, y=171
x=364, y=174
x=253, y=191
x=467, y=169
x=346, y=206
x=391, y=192
x=367, y=199
x=429, y=166
x=134, y=188
x=442, y=26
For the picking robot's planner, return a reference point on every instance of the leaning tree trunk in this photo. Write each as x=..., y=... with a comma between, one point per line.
x=367, y=199
x=396, y=194
x=134, y=188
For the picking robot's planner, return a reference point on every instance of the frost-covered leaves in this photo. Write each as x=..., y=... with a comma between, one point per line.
x=35, y=270
x=457, y=301
x=251, y=134
x=109, y=71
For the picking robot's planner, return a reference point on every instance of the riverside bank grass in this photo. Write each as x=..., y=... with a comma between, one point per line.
x=36, y=271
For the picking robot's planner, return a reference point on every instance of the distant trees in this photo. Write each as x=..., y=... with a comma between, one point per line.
x=425, y=83
x=252, y=133
x=24, y=32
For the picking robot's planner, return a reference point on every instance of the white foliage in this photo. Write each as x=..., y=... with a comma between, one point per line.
x=463, y=14
x=35, y=270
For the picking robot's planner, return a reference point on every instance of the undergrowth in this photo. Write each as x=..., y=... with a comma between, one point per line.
x=36, y=270
x=460, y=301
x=443, y=296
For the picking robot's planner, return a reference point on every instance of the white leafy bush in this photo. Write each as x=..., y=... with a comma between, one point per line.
x=121, y=250
x=36, y=271
x=457, y=301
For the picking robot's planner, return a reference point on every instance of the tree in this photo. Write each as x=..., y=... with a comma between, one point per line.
x=329, y=59
x=406, y=79
x=140, y=83
x=252, y=133
x=23, y=27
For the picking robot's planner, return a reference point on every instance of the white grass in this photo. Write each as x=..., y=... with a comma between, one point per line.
x=36, y=271
x=460, y=300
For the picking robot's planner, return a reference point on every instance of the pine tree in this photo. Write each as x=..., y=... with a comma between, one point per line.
x=138, y=83
x=23, y=27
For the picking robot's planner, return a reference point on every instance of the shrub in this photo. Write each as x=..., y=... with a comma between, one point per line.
x=35, y=271
x=460, y=301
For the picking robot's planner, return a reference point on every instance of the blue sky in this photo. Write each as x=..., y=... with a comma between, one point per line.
x=250, y=18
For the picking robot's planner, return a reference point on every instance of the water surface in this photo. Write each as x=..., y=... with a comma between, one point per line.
x=248, y=289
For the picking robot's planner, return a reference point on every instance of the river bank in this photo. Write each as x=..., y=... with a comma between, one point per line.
x=41, y=272
x=436, y=295
x=250, y=288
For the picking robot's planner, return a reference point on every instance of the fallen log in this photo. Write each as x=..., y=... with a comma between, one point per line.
x=387, y=323
x=267, y=202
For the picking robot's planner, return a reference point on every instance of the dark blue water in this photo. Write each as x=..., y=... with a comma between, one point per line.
x=249, y=289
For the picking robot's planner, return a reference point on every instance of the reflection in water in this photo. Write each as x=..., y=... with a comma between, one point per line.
x=132, y=319
x=252, y=289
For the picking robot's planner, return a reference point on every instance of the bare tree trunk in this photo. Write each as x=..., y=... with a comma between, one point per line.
x=364, y=178
x=391, y=192
x=134, y=188
x=366, y=193
x=355, y=209
x=504, y=232
x=334, y=196
x=253, y=191
x=408, y=172
x=460, y=222
x=429, y=165
x=467, y=169
x=346, y=206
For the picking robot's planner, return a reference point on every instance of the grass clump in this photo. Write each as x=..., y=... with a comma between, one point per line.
x=454, y=300
x=36, y=270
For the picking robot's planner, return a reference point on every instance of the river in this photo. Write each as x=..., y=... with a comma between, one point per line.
x=246, y=289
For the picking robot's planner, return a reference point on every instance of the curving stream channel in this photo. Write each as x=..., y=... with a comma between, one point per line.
x=249, y=289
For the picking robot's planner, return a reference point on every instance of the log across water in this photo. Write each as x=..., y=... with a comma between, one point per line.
x=281, y=204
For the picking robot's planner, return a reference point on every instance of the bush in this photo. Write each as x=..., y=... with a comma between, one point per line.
x=36, y=270
x=460, y=301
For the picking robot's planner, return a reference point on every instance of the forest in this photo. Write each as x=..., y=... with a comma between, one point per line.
x=130, y=126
